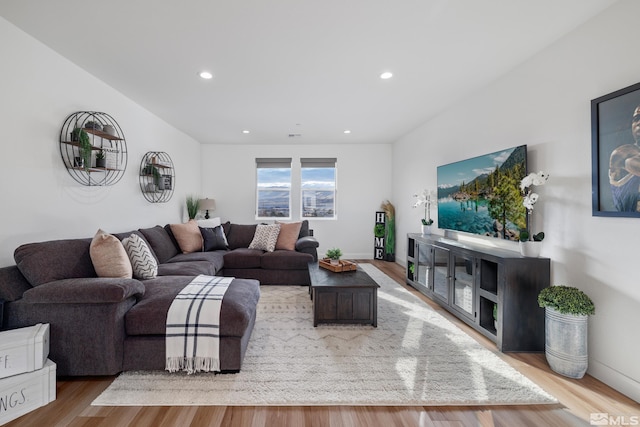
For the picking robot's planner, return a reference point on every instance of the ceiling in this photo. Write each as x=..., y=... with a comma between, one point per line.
x=308, y=68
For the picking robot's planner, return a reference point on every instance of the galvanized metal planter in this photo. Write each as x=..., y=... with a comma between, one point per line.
x=566, y=343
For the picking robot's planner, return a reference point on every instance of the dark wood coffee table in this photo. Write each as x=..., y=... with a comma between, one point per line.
x=346, y=297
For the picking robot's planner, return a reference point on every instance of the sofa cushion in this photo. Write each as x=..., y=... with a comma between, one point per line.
x=186, y=268
x=109, y=257
x=12, y=284
x=214, y=238
x=238, y=235
x=304, y=229
x=95, y=290
x=288, y=235
x=143, y=262
x=265, y=237
x=188, y=236
x=54, y=260
x=149, y=315
x=161, y=243
x=215, y=258
x=209, y=223
x=284, y=260
x=243, y=258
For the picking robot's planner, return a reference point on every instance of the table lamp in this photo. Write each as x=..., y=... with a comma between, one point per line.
x=207, y=205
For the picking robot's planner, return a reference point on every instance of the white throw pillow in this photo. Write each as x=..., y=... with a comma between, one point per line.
x=265, y=237
x=142, y=260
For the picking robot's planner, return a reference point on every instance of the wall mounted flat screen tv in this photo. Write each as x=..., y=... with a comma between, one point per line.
x=482, y=195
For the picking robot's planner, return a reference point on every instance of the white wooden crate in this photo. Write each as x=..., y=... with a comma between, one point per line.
x=24, y=349
x=23, y=393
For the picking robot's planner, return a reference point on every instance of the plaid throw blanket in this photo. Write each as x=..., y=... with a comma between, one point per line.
x=193, y=326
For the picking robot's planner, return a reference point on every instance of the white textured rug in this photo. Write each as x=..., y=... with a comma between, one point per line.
x=414, y=357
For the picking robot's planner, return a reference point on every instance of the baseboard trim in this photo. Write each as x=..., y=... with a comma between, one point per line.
x=622, y=383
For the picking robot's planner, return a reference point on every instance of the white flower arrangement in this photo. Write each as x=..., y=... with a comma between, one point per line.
x=530, y=198
x=425, y=198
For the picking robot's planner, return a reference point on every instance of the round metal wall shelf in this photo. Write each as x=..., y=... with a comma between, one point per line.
x=157, y=177
x=93, y=148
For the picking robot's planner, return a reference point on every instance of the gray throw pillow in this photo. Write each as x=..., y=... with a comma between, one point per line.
x=214, y=238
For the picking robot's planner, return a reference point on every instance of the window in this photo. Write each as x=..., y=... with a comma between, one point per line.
x=273, y=188
x=318, y=188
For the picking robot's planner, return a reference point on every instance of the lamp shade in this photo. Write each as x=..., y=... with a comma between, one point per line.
x=207, y=204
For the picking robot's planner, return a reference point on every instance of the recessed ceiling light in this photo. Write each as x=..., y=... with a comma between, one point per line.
x=347, y=131
x=245, y=131
x=206, y=75
x=386, y=75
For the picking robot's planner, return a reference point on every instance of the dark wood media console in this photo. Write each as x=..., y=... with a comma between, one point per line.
x=493, y=290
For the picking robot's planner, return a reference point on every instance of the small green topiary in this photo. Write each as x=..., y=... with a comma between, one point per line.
x=566, y=300
x=334, y=253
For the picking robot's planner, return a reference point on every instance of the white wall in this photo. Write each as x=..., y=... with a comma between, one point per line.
x=39, y=199
x=545, y=103
x=363, y=183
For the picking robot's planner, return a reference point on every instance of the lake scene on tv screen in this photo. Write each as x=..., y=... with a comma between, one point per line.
x=482, y=195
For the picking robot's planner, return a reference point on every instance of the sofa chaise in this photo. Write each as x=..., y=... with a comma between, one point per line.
x=104, y=325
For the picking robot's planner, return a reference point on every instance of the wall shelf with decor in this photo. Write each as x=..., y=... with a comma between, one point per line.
x=93, y=148
x=493, y=290
x=157, y=177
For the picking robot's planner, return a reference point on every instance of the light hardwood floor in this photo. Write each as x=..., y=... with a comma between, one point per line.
x=578, y=399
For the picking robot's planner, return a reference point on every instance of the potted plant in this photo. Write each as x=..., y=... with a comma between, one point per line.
x=530, y=244
x=101, y=161
x=84, y=147
x=567, y=310
x=528, y=247
x=193, y=205
x=425, y=199
x=390, y=231
x=334, y=255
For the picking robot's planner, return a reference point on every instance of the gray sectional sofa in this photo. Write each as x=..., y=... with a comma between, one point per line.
x=102, y=326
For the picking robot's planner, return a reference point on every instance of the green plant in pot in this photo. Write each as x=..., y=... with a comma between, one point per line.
x=334, y=255
x=530, y=245
x=84, y=143
x=567, y=310
x=193, y=205
x=101, y=161
x=390, y=231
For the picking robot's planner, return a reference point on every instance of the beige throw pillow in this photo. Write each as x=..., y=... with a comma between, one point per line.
x=288, y=235
x=109, y=257
x=265, y=237
x=188, y=236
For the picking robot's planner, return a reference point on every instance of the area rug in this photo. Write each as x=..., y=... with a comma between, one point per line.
x=414, y=357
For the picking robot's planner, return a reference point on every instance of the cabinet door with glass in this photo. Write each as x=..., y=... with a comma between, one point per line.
x=424, y=261
x=463, y=284
x=441, y=276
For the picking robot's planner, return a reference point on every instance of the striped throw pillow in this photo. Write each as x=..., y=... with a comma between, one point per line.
x=142, y=260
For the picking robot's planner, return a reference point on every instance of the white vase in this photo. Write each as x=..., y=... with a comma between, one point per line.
x=335, y=262
x=426, y=229
x=530, y=249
